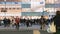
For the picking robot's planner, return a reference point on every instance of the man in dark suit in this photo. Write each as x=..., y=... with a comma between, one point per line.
x=56, y=20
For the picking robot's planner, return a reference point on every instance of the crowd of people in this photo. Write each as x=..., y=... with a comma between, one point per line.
x=28, y=22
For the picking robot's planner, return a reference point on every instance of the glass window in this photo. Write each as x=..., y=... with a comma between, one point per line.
x=9, y=8
x=8, y=2
x=11, y=0
x=2, y=8
x=18, y=8
x=0, y=2
x=6, y=8
x=26, y=5
x=16, y=2
x=13, y=8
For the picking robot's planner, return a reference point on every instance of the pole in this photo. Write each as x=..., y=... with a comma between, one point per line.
x=43, y=8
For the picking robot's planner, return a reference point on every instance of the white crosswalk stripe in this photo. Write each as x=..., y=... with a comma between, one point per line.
x=36, y=32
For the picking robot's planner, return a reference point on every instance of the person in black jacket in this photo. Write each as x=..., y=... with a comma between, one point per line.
x=42, y=22
x=27, y=22
x=56, y=20
x=5, y=21
x=8, y=20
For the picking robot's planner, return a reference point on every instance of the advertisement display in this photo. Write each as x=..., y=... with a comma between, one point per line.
x=37, y=5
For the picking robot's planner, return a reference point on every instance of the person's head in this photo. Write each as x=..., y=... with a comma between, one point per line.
x=57, y=12
x=17, y=17
x=42, y=16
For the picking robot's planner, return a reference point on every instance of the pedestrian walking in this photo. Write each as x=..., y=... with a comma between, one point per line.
x=17, y=20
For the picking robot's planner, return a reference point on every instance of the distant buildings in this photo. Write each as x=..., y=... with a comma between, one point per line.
x=17, y=7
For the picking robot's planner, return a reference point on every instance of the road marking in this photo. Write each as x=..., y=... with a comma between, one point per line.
x=36, y=32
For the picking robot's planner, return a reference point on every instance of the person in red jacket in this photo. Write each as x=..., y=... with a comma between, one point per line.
x=17, y=20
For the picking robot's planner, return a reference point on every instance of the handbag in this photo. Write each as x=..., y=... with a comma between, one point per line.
x=51, y=28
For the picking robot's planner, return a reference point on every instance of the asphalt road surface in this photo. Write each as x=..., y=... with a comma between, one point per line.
x=35, y=29
x=23, y=32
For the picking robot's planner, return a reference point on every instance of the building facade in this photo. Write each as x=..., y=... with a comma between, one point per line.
x=28, y=7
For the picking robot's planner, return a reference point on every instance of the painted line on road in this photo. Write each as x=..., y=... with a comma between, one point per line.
x=36, y=32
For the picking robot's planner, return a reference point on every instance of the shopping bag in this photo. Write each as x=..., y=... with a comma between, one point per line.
x=51, y=28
